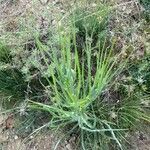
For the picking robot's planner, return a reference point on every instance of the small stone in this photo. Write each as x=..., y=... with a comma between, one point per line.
x=54, y=22
x=62, y=11
x=68, y=146
x=94, y=5
x=66, y=142
x=16, y=137
x=113, y=115
x=31, y=137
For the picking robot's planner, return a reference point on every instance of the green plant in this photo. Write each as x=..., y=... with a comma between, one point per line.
x=12, y=87
x=146, y=5
x=4, y=53
x=91, y=22
x=74, y=91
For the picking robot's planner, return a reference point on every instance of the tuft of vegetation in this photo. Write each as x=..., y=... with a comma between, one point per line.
x=4, y=53
x=146, y=5
x=12, y=87
x=79, y=89
x=74, y=79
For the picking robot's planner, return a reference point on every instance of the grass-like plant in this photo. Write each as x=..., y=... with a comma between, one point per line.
x=76, y=87
x=12, y=85
x=146, y=5
x=4, y=53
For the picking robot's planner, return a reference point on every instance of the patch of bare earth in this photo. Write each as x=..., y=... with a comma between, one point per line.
x=9, y=140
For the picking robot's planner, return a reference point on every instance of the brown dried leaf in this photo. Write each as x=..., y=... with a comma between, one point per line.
x=9, y=122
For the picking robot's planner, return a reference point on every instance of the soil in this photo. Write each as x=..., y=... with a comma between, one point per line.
x=10, y=140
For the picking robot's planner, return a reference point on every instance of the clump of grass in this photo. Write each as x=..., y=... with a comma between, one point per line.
x=75, y=92
x=140, y=73
x=146, y=5
x=79, y=84
x=4, y=53
x=12, y=87
x=91, y=22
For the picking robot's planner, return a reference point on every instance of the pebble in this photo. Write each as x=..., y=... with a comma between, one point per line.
x=68, y=146
x=31, y=137
x=94, y=5
x=16, y=137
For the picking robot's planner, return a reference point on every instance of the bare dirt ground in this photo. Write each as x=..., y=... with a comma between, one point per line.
x=10, y=140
